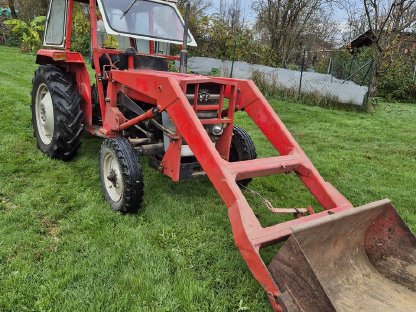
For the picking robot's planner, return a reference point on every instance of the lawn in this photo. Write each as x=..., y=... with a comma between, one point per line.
x=63, y=249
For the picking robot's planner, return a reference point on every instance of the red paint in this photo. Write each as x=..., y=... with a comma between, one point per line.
x=142, y=85
x=68, y=36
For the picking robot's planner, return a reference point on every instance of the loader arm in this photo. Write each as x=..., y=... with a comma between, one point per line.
x=169, y=92
x=248, y=233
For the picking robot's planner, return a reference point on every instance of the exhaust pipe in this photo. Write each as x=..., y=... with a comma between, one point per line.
x=184, y=53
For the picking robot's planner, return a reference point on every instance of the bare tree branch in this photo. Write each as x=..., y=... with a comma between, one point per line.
x=282, y=24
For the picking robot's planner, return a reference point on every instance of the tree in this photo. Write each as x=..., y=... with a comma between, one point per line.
x=198, y=8
x=356, y=21
x=12, y=9
x=281, y=23
x=230, y=16
x=29, y=9
x=223, y=42
x=230, y=13
x=225, y=35
x=198, y=19
x=386, y=19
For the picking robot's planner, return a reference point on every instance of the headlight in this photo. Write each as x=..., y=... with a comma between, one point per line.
x=217, y=130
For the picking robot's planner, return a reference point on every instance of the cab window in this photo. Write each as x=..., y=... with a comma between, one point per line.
x=55, y=24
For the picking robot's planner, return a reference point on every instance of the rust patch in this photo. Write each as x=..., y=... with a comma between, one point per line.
x=391, y=248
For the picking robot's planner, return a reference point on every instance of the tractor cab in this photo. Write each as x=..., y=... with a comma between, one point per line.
x=142, y=28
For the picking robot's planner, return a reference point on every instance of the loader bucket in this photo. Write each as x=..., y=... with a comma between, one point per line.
x=361, y=259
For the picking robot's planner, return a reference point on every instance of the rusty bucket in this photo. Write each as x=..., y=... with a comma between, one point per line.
x=362, y=259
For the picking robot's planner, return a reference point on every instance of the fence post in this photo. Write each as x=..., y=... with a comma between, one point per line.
x=330, y=66
x=414, y=74
x=233, y=58
x=367, y=96
x=232, y=68
x=302, y=69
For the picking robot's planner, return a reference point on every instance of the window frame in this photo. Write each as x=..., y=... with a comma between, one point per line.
x=111, y=31
x=55, y=45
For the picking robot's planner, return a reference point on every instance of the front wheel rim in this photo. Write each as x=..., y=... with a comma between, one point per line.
x=113, y=179
x=45, y=118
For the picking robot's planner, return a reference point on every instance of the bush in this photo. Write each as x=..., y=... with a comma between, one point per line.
x=215, y=72
x=396, y=78
x=11, y=39
x=355, y=67
x=7, y=36
x=294, y=67
x=30, y=33
x=266, y=83
x=322, y=64
x=81, y=32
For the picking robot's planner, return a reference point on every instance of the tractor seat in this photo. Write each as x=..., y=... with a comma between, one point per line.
x=142, y=61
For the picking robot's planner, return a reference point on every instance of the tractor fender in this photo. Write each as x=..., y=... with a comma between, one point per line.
x=74, y=63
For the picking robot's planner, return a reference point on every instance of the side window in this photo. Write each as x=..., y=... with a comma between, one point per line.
x=55, y=26
x=162, y=48
x=142, y=46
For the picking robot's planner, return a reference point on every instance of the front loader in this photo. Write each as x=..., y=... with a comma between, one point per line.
x=340, y=259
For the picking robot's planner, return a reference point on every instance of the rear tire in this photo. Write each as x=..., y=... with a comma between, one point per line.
x=56, y=113
x=121, y=175
x=242, y=148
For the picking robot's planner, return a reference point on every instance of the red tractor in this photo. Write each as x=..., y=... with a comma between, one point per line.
x=340, y=259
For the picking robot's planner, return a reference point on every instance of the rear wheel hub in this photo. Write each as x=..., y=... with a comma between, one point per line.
x=44, y=114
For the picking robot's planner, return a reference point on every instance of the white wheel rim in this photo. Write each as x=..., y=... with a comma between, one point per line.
x=113, y=178
x=44, y=114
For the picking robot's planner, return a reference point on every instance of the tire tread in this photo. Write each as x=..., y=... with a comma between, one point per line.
x=132, y=175
x=244, y=148
x=67, y=112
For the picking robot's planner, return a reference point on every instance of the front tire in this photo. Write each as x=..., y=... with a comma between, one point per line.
x=56, y=113
x=242, y=148
x=121, y=175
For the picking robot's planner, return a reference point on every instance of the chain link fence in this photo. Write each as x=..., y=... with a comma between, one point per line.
x=326, y=74
x=336, y=74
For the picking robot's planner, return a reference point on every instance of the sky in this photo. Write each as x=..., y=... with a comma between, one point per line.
x=339, y=16
x=249, y=15
x=245, y=4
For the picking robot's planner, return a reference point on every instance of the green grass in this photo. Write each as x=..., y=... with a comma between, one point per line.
x=62, y=249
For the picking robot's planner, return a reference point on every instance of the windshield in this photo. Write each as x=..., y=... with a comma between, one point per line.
x=151, y=20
